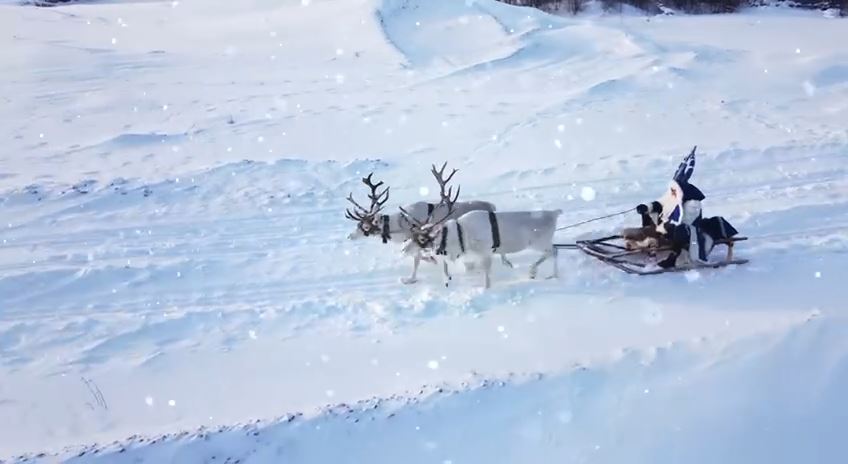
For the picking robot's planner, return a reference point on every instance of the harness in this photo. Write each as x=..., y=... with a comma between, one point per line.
x=442, y=249
x=496, y=235
x=443, y=243
x=385, y=233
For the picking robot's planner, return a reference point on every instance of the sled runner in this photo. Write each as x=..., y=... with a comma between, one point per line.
x=642, y=261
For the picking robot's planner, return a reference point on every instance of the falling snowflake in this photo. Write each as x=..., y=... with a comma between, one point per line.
x=305, y=2
x=148, y=400
x=501, y=328
x=818, y=275
x=339, y=51
x=340, y=78
x=561, y=128
x=252, y=334
x=587, y=193
x=423, y=191
x=330, y=393
x=172, y=403
x=433, y=364
x=114, y=41
x=578, y=121
x=558, y=144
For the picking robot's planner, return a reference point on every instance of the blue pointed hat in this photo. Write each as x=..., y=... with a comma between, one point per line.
x=684, y=171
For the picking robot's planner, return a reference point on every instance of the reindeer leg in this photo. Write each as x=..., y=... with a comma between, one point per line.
x=412, y=279
x=535, y=267
x=506, y=262
x=487, y=268
x=486, y=263
x=447, y=275
x=555, y=253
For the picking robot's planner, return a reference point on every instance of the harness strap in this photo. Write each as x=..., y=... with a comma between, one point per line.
x=385, y=234
x=430, y=208
x=444, y=242
x=496, y=235
x=460, y=237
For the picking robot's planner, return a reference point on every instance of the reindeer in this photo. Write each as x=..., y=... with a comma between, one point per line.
x=480, y=234
x=396, y=227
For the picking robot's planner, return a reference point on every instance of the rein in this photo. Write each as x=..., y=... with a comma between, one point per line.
x=596, y=219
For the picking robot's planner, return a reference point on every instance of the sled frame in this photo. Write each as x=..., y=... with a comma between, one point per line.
x=634, y=261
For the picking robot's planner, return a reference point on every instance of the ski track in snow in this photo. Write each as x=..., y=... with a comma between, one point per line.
x=176, y=284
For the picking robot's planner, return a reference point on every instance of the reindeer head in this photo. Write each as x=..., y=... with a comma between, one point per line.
x=367, y=219
x=425, y=233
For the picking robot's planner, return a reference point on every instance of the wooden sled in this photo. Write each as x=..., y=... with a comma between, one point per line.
x=642, y=261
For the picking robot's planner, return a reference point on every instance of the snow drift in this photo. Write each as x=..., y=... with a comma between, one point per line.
x=173, y=265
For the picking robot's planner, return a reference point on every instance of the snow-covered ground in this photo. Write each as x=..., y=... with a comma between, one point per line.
x=174, y=265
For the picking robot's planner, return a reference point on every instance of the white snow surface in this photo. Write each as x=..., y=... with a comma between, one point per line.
x=176, y=284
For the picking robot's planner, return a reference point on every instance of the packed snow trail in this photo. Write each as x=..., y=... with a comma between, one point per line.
x=173, y=251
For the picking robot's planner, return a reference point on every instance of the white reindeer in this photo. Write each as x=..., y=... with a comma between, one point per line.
x=480, y=234
x=397, y=227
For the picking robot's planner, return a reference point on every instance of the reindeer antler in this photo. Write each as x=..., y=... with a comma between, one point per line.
x=440, y=178
x=378, y=200
x=376, y=203
x=447, y=198
x=410, y=218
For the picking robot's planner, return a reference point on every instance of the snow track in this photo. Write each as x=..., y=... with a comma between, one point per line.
x=174, y=261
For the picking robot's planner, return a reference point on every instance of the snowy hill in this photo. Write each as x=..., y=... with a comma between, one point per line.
x=176, y=284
